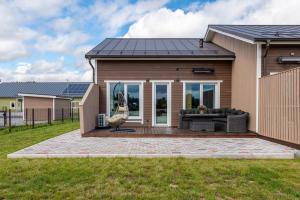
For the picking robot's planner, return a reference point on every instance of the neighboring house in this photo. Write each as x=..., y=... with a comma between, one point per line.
x=44, y=105
x=163, y=75
x=10, y=99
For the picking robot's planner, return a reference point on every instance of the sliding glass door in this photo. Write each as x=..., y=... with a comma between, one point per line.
x=161, y=104
x=133, y=95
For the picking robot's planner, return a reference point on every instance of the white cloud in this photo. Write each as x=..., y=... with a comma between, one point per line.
x=62, y=43
x=62, y=24
x=43, y=70
x=10, y=50
x=37, y=9
x=193, y=23
x=15, y=18
x=114, y=14
x=81, y=63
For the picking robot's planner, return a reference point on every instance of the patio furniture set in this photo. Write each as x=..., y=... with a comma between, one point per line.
x=224, y=119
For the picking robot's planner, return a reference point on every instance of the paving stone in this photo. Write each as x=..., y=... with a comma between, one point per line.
x=73, y=145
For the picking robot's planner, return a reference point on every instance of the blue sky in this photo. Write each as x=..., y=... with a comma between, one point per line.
x=45, y=40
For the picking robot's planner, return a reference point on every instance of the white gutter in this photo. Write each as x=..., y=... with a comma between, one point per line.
x=43, y=96
x=258, y=76
x=219, y=58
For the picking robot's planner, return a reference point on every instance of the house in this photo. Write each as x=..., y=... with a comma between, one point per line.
x=164, y=75
x=45, y=106
x=10, y=98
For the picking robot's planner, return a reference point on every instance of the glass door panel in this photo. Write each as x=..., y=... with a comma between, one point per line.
x=192, y=95
x=133, y=100
x=114, y=98
x=209, y=96
x=161, y=104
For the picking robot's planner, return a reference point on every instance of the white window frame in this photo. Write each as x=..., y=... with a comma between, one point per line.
x=169, y=102
x=216, y=83
x=139, y=119
x=14, y=104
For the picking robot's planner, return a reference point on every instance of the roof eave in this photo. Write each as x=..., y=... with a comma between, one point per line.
x=210, y=32
x=223, y=57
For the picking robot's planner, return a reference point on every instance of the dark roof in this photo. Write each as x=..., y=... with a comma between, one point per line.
x=261, y=32
x=66, y=89
x=157, y=48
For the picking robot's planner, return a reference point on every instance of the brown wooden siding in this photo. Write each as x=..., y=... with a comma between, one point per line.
x=243, y=75
x=40, y=106
x=64, y=104
x=163, y=70
x=271, y=64
x=38, y=102
x=279, y=102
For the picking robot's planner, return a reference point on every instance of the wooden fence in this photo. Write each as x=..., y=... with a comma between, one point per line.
x=279, y=106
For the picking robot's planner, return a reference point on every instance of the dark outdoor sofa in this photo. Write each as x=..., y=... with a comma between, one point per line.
x=225, y=119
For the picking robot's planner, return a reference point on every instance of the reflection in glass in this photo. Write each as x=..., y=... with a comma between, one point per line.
x=208, y=95
x=133, y=100
x=192, y=95
x=114, y=99
x=161, y=104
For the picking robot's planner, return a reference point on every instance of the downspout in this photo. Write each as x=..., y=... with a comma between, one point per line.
x=265, y=55
x=260, y=71
x=93, y=68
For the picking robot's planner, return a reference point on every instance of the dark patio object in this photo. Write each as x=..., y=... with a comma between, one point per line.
x=225, y=119
x=208, y=126
x=187, y=116
x=237, y=123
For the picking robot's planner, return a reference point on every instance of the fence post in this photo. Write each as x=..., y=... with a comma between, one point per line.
x=9, y=120
x=32, y=118
x=26, y=116
x=78, y=114
x=62, y=115
x=49, y=116
x=5, y=118
x=72, y=114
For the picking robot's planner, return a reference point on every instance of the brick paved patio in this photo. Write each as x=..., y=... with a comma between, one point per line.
x=73, y=145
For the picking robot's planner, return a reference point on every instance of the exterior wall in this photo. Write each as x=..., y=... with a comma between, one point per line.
x=163, y=70
x=243, y=75
x=64, y=104
x=89, y=109
x=40, y=105
x=5, y=103
x=279, y=115
x=274, y=52
x=38, y=102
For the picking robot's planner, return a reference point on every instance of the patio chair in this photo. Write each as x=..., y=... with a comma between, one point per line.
x=237, y=123
x=120, y=116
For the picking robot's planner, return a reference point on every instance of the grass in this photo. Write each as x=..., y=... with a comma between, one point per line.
x=130, y=178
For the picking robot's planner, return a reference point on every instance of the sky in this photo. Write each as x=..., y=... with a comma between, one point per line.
x=45, y=40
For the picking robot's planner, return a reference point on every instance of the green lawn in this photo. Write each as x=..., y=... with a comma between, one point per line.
x=129, y=178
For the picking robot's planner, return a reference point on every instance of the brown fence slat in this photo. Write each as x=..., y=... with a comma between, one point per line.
x=279, y=106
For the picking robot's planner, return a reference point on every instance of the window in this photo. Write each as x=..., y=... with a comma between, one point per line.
x=201, y=93
x=75, y=104
x=12, y=105
x=133, y=94
x=114, y=99
x=209, y=96
x=192, y=95
x=133, y=100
